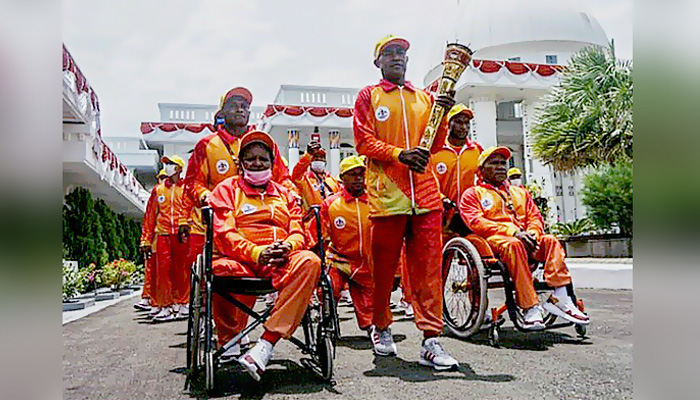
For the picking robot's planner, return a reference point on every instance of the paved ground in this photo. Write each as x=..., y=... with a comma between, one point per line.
x=116, y=353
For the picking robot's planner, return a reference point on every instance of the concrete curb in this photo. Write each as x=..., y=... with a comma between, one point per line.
x=70, y=316
x=599, y=274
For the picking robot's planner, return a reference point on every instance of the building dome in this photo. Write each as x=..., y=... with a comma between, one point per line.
x=487, y=25
x=528, y=31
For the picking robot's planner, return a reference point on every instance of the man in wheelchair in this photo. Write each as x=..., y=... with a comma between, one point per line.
x=507, y=217
x=258, y=233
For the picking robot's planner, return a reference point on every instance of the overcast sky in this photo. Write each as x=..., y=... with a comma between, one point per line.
x=137, y=53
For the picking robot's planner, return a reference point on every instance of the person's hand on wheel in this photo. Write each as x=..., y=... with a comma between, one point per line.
x=528, y=240
x=416, y=159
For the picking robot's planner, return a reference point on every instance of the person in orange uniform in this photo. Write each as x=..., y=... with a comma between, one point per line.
x=258, y=232
x=145, y=303
x=170, y=280
x=507, y=217
x=345, y=222
x=515, y=177
x=456, y=164
x=404, y=198
x=215, y=157
x=314, y=184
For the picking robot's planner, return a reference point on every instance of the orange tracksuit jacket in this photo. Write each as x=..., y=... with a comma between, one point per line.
x=245, y=223
x=211, y=163
x=345, y=222
x=162, y=212
x=388, y=119
x=170, y=281
x=456, y=168
x=308, y=184
x=496, y=214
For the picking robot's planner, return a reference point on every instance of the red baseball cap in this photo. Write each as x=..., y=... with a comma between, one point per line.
x=258, y=137
x=237, y=91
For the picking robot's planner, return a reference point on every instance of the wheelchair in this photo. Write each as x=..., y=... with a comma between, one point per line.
x=319, y=324
x=470, y=268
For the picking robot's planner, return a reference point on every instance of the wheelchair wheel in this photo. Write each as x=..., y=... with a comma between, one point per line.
x=209, y=347
x=324, y=355
x=193, y=320
x=465, y=288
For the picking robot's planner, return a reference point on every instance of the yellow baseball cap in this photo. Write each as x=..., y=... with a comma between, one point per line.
x=514, y=171
x=349, y=163
x=458, y=109
x=390, y=39
x=502, y=150
x=174, y=160
x=161, y=174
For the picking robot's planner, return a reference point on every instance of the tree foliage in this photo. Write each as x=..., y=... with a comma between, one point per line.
x=94, y=233
x=586, y=120
x=607, y=194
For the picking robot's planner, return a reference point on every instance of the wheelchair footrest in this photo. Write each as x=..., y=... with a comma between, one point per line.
x=242, y=285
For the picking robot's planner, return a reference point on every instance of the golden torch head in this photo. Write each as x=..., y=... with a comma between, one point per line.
x=457, y=58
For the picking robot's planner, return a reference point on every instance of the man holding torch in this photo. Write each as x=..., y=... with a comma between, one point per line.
x=404, y=197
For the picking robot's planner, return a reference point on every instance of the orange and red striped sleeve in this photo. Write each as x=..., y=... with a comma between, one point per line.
x=197, y=177
x=366, y=141
x=148, y=226
x=533, y=218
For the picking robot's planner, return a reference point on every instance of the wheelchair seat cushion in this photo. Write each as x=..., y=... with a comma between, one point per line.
x=242, y=285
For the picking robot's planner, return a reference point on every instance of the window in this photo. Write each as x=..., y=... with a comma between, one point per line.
x=559, y=191
x=516, y=59
x=551, y=59
x=571, y=191
x=518, y=110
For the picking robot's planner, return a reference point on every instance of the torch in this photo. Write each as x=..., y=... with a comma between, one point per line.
x=457, y=58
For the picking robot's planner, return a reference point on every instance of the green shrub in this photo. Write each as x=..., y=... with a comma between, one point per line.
x=574, y=228
x=73, y=282
x=607, y=194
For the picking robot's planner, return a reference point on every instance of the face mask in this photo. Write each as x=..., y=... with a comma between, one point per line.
x=516, y=182
x=318, y=166
x=170, y=169
x=257, y=178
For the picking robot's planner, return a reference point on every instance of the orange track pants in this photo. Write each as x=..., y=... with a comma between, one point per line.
x=295, y=283
x=148, y=277
x=169, y=278
x=361, y=289
x=423, y=235
x=513, y=253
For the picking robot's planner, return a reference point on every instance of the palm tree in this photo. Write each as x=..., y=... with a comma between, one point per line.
x=586, y=120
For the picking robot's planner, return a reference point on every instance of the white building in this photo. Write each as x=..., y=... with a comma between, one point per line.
x=519, y=48
x=88, y=161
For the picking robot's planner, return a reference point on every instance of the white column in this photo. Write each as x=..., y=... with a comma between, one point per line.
x=334, y=161
x=535, y=171
x=293, y=137
x=483, y=126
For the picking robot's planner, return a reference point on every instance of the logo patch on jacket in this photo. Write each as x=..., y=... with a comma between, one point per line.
x=382, y=113
x=248, y=208
x=222, y=166
x=339, y=222
x=161, y=199
x=487, y=203
x=441, y=168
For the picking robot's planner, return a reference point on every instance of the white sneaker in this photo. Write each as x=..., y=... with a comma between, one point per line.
x=409, y=311
x=566, y=309
x=345, y=298
x=165, y=315
x=256, y=359
x=533, y=319
x=383, y=342
x=143, y=305
x=155, y=311
x=231, y=354
x=184, y=312
x=433, y=355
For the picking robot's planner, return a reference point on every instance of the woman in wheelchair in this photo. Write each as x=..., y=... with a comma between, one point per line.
x=507, y=217
x=258, y=233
